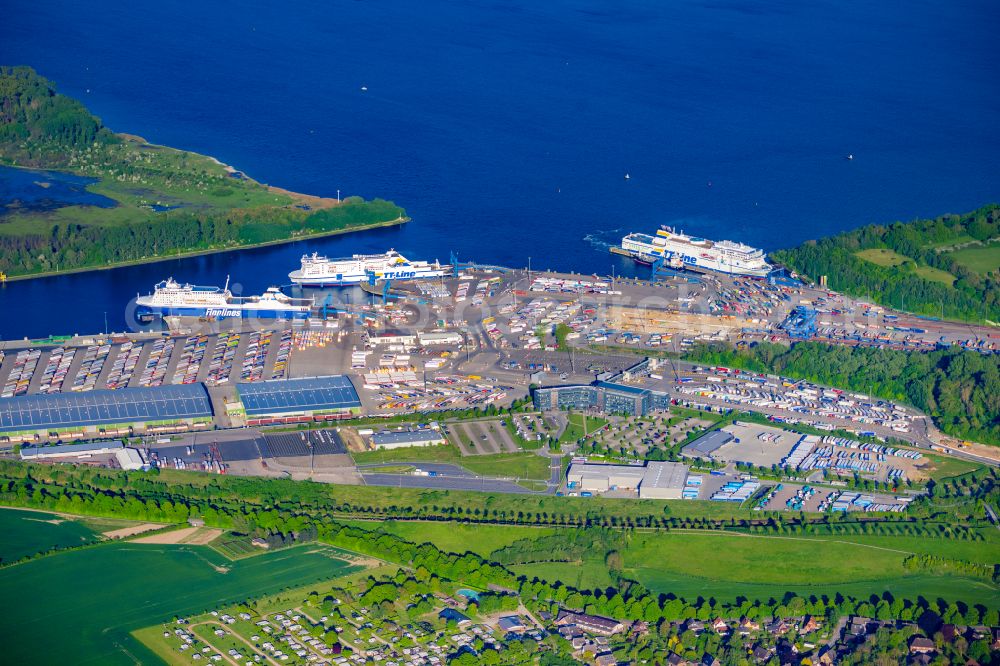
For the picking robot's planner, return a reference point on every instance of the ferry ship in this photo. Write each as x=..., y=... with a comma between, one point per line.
x=317, y=271
x=679, y=250
x=170, y=298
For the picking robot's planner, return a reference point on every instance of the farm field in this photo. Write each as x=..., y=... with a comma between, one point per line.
x=79, y=607
x=29, y=532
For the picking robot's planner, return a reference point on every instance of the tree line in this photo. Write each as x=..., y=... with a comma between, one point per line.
x=959, y=389
x=972, y=297
x=69, y=246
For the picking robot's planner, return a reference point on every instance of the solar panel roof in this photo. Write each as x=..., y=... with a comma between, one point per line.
x=297, y=395
x=100, y=407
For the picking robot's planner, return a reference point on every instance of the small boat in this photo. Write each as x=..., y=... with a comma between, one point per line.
x=628, y=177
x=850, y=156
x=364, y=88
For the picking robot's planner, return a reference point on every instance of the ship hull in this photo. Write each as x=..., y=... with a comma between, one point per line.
x=146, y=311
x=343, y=280
x=694, y=261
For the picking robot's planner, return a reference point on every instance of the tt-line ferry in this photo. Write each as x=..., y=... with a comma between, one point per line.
x=317, y=271
x=172, y=299
x=679, y=250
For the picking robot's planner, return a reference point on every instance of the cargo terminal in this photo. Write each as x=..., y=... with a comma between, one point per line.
x=654, y=480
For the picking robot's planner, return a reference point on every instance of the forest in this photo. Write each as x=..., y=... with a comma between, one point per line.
x=168, y=201
x=958, y=389
x=917, y=246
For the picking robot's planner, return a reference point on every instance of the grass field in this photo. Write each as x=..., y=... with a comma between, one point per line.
x=591, y=573
x=979, y=259
x=944, y=467
x=29, y=532
x=456, y=538
x=727, y=566
x=882, y=257
x=521, y=464
x=891, y=259
x=580, y=425
x=79, y=607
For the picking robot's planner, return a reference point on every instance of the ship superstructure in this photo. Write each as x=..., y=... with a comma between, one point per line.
x=680, y=250
x=317, y=271
x=173, y=299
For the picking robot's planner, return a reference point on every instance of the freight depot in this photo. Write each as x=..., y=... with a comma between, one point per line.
x=812, y=404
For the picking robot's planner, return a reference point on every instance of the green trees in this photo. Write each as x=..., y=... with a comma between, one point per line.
x=39, y=127
x=959, y=389
x=972, y=296
x=214, y=209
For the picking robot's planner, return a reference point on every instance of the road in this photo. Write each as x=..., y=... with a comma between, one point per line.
x=481, y=484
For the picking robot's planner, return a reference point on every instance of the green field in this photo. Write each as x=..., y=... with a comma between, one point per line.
x=944, y=467
x=29, y=532
x=883, y=257
x=727, y=566
x=981, y=259
x=79, y=607
x=581, y=425
x=521, y=464
x=891, y=259
x=456, y=538
x=588, y=574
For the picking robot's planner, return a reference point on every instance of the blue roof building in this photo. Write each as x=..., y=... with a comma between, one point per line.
x=299, y=397
x=91, y=410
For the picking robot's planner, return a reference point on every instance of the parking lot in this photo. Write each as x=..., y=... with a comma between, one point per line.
x=216, y=359
x=478, y=437
x=758, y=445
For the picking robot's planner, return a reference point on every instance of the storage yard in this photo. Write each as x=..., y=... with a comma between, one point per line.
x=478, y=341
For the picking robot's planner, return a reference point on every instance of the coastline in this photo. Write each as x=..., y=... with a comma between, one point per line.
x=195, y=253
x=297, y=199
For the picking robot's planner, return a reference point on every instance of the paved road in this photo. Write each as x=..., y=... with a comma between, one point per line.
x=480, y=484
x=443, y=469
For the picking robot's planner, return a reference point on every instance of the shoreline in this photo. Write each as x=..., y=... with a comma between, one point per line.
x=195, y=253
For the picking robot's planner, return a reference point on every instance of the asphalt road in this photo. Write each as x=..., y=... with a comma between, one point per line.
x=480, y=484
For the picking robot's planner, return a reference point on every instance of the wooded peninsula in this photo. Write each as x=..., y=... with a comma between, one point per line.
x=162, y=201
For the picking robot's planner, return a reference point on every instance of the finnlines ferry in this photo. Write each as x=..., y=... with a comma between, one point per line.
x=317, y=271
x=170, y=298
x=679, y=250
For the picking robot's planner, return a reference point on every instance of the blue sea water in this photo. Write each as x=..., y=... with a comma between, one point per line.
x=37, y=190
x=506, y=128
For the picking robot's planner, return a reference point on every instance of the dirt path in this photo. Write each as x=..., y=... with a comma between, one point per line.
x=125, y=532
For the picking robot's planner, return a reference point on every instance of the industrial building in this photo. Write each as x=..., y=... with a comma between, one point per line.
x=654, y=480
x=440, y=338
x=299, y=400
x=127, y=458
x=395, y=439
x=708, y=443
x=607, y=397
x=105, y=412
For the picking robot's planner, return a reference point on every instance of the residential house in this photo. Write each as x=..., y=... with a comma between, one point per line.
x=592, y=624
x=921, y=645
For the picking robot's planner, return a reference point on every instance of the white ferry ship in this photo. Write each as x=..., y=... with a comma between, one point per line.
x=679, y=250
x=317, y=271
x=170, y=298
